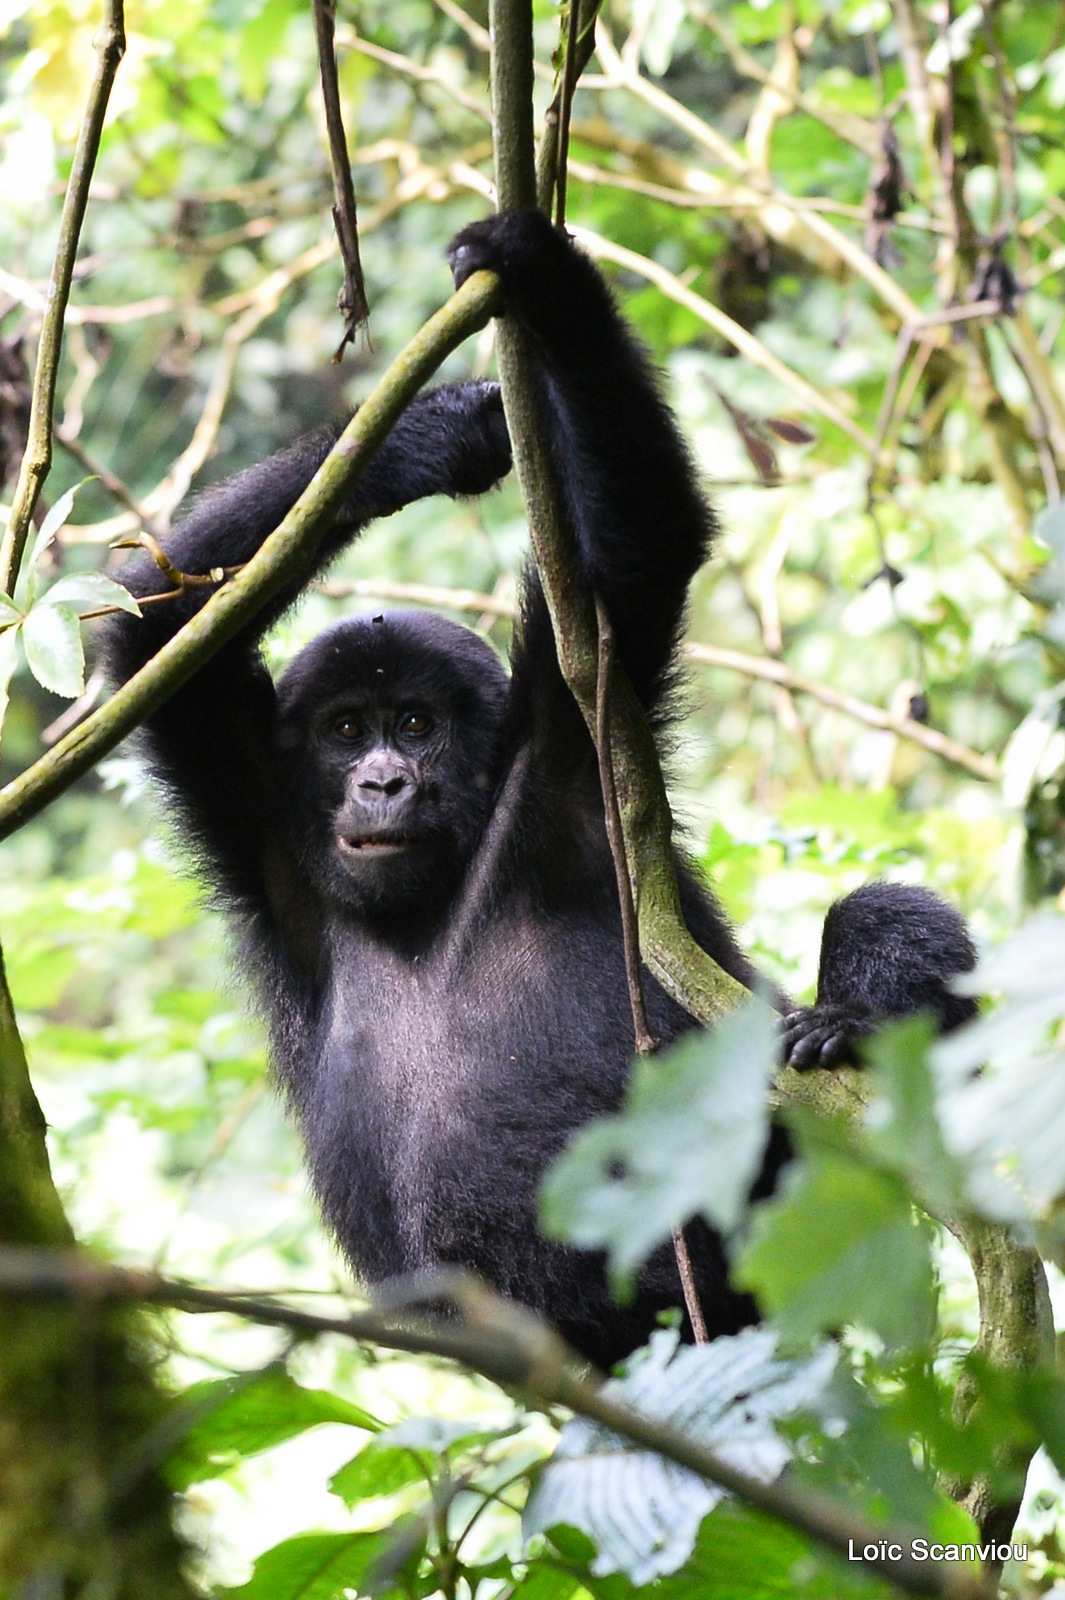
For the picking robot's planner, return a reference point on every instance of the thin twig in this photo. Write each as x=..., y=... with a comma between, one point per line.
x=690, y=1288
x=422, y=594
x=511, y=1347
x=842, y=247
x=941, y=16
x=411, y=69
x=570, y=69
x=646, y=1044
x=981, y=766
x=909, y=334
x=855, y=130
x=34, y=298
x=474, y=32
x=352, y=297
x=1009, y=216
x=38, y=457
x=714, y=194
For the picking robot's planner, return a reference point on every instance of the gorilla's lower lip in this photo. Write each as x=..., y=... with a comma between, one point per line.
x=373, y=847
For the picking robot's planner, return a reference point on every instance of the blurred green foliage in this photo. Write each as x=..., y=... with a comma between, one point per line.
x=203, y=328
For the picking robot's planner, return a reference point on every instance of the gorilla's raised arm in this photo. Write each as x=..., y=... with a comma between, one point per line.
x=629, y=485
x=212, y=743
x=451, y=440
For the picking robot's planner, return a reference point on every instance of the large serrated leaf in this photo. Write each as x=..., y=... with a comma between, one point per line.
x=88, y=590
x=641, y=1511
x=240, y=1417
x=839, y=1244
x=313, y=1566
x=689, y=1139
x=51, y=636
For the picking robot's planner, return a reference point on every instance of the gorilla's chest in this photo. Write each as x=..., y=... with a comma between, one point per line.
x=442, y=1088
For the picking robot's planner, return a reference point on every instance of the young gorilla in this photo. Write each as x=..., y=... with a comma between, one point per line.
x=414, y=847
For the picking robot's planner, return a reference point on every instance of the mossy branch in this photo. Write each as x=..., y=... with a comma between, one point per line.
x=31, y=1211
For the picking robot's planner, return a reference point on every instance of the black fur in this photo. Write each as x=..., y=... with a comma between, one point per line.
x=414, y=844
x=885, y=952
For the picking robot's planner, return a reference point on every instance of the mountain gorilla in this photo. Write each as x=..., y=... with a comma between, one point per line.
x=412, y=844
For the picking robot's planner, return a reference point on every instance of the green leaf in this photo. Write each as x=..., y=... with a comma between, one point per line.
x=399, y=1556
x=727, y=1395
x=379, y=1469
x=51, y=525
x=839, y=1244
x=51, y=637
x=89, y=590
x=8, y=662
x=901, y=1126
x=740, y=1555
x=1001, y=1080
x=245, y=1416
x=690, y=1138
x=543, y=1582
x=10, y=615
x=861, y=1452
x=313, y=1566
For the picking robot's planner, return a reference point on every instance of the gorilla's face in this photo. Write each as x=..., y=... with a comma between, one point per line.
x=388, y=729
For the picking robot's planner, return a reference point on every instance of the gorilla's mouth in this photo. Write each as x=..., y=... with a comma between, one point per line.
x=370, y=847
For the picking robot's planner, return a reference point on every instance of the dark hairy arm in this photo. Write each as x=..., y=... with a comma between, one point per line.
x=212, y=743
x=628, y=483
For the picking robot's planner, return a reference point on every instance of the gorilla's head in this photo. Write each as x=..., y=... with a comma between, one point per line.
x=388, y=732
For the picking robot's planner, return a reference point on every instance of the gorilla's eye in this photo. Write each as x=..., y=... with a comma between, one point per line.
x=347, y=727
x=414, y=722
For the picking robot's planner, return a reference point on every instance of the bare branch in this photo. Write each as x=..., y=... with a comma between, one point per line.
x=35, y=299
x=411, y=69
x=352, y=298
x=773, y=671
